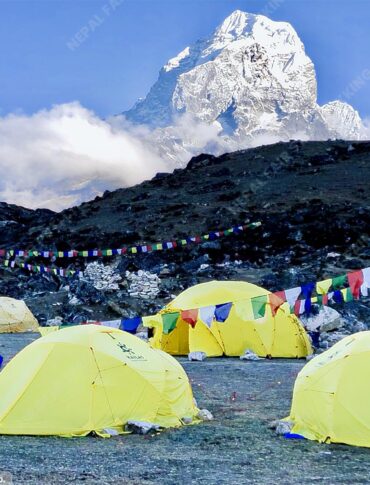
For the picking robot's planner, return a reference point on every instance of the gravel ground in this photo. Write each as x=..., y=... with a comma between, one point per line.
x=237, y=447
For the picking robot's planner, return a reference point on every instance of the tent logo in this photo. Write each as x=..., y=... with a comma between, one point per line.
x=129, y=353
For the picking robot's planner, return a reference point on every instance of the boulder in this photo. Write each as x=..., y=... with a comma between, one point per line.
x=326, y=320
x=328, y=339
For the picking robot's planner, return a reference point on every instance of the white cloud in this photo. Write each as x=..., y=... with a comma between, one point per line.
x=59, y=157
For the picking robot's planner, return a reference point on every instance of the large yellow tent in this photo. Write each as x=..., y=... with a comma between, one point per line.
x=281, y=335
x=16, y=317
x=91, y=378
x=331, y=397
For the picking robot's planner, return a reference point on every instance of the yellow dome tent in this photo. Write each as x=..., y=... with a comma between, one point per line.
x=16, y=317
x=91, y=378
x=281, y=335
x=331, y=397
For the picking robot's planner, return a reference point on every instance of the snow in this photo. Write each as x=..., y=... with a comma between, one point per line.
x=343, y=119
x=175, y=62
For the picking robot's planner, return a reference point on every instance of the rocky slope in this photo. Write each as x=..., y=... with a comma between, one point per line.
x=312, y=199
x=251, y=80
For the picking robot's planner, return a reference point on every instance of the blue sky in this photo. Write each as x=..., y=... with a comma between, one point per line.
x=119, y=61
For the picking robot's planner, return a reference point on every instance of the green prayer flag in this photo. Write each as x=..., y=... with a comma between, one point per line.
x=339, y=281
x=169, y=321
x=259, y=306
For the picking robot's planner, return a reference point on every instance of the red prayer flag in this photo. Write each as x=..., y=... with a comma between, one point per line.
x=355, y=280
x=297, y=307
x=190, y=316
x=276, y=300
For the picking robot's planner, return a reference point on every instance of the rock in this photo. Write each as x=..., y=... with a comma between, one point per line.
x=326, y=320
x=327, y=340
x=141, y=427
x=249, y=355
x=165, y=271
x=86, y=292
x=197, y=356
x=197, y=263
x=203, y=268
x=359, y=327
x=283, y=427
x=205, y=415
x=216, y=245
x=187, y=420
x=54, y=322
x=142, y=335
x=273, y=424
x=333, y=255
x=74, y=301
x=116, y=308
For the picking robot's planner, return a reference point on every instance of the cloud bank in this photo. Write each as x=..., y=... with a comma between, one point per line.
x=60, y=157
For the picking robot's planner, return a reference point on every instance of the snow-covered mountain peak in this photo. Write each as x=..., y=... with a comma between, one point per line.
x=251, y=79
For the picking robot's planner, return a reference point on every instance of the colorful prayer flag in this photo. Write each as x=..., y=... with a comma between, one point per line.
x=207, y=314
x=259, y=306
x=355, y=280
x=222, y=312
x=276, y=300
x=190, y=316
x=169, y=321
x=131, y=324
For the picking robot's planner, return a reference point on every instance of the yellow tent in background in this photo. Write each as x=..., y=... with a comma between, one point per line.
x=331, y=397
x=91, y=378
x=281, y=335
x=16, y=317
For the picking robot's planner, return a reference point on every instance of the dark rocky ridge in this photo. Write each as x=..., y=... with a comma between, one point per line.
x=326, y=178
x=312, y=199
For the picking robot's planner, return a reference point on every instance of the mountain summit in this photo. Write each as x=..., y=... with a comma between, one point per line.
x=251, y=79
